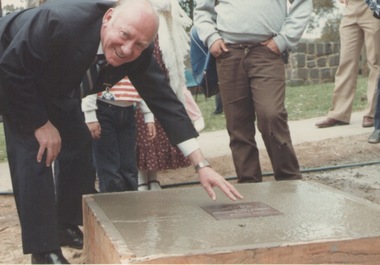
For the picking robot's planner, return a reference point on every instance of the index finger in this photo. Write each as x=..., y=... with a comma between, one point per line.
x=231, y=192
x=210, y=192
x=40, y=153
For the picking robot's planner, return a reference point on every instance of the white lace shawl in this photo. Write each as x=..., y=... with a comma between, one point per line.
x=173, y=41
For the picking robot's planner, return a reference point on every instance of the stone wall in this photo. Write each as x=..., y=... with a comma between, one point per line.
x=316, y=63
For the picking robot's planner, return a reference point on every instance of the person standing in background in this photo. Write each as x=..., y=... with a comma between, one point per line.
x=356, y=28
x=193, y=110
x=374, y=138
x=110, y=117
x=247, y=38
x=218, y=104
x=171, y=47
x=154, y=155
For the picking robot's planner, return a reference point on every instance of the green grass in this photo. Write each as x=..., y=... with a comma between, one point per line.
x=302, y=102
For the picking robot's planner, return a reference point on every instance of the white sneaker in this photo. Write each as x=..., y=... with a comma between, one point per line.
x=143, y=186
x=199, y=124
x=154, y=185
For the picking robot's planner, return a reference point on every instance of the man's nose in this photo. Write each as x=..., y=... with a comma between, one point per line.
x=127, y=49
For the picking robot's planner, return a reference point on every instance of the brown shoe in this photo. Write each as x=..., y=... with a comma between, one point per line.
x=329, y=122
x=367, y=121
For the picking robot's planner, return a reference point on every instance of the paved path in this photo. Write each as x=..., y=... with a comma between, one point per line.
x=214, y=144
x=5, y=180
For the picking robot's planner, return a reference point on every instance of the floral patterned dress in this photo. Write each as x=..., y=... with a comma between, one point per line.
x=157, y=154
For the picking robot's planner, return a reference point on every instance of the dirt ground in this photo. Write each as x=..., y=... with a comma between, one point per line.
x=358, y=174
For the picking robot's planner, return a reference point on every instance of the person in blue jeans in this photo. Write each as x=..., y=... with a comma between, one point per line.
x=374, y=138
x=218, y=104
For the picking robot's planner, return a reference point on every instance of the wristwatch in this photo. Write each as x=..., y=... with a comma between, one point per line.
x=202, y=164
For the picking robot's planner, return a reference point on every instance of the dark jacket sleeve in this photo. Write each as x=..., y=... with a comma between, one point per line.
x=44, y=53
x=20, y=64
x=153, y=86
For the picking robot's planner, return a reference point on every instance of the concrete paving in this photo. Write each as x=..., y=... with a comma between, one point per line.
x=215, y=144
x=294, y=222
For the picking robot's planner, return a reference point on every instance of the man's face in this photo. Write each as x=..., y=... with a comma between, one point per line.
x=125, y=34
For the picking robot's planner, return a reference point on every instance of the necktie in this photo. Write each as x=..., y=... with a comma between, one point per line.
x=89, y=79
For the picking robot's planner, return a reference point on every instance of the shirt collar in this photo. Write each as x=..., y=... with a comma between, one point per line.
x=100, y=49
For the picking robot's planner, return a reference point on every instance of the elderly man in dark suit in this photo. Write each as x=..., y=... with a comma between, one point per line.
x=44, y=54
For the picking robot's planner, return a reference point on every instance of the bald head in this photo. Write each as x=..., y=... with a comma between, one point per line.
x=142, y=7
x=127, y=30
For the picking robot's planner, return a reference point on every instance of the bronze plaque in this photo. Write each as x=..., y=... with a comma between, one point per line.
x=240, y=210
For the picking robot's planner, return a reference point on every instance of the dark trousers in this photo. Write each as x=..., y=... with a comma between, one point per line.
x=218, y=104
x=252, y=86
x=115, y=151
x=41, y=207
x=377, y=109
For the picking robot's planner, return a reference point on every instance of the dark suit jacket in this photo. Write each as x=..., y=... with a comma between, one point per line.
x=45, y=52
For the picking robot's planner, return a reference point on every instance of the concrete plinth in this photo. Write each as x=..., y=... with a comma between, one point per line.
x=277, y=222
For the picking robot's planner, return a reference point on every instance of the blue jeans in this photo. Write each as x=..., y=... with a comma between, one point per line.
x=377, y=108
x=115, y=151
x=218, y=104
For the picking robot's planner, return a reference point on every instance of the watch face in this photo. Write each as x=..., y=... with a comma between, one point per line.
x=202, y=164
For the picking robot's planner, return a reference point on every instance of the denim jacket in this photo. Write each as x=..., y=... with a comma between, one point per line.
x=374, y=5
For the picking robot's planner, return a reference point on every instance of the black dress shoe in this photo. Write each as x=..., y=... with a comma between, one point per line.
x=375, y=137
x=71, y=236
x=54, y=257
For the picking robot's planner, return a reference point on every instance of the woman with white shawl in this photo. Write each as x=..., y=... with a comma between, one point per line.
x=171, y=48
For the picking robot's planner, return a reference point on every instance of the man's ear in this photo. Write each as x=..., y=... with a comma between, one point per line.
x=108, y=15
